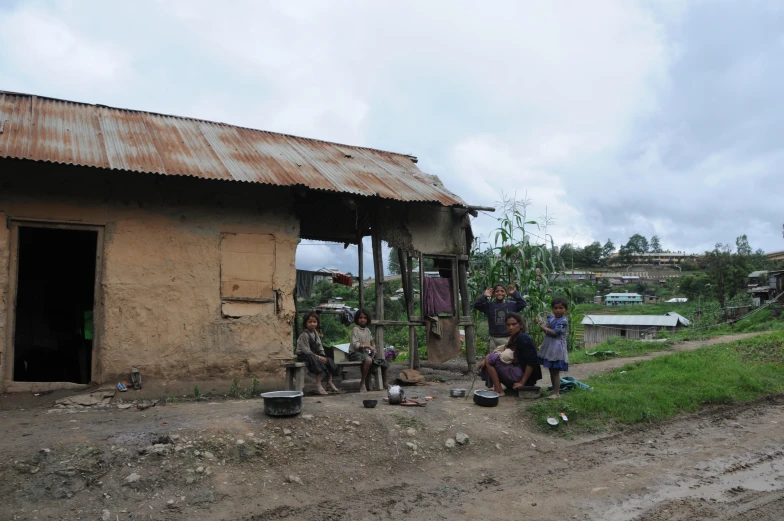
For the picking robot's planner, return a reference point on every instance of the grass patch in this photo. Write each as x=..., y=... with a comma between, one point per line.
x=408, y=421
x=662, y=388
x=622, y=347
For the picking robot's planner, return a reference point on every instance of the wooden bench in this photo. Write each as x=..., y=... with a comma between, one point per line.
x=295, y=375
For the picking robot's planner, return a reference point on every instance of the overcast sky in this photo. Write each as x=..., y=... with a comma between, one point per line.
x=615, y=117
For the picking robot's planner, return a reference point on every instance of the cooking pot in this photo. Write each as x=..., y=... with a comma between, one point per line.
x=282, y=403
x=485, y=398
x=395, y=394
x=458, y=393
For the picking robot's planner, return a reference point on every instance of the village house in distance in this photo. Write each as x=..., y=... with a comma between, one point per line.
x=133, y=239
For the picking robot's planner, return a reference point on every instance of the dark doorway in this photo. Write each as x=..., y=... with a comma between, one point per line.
x=54, y=305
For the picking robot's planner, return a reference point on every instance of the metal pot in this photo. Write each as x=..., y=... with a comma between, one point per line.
x=395, y=394
x=485, y=398
x=458, y=393
x=282, y=403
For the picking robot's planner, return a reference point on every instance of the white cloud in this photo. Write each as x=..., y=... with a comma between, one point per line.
x=617, y=117
x=47, y=51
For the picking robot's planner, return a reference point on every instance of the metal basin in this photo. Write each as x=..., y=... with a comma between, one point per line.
x=282, y=403
x=486, y=398
x=458, y=393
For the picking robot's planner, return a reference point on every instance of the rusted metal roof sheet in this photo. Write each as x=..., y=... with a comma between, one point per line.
x=57, y=131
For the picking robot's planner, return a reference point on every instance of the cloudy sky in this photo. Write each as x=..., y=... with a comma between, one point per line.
x=615, y=117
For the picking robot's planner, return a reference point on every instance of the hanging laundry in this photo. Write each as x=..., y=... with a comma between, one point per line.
x=305, y=281
x=438, y=296
x=346, y=316
x=339, y=278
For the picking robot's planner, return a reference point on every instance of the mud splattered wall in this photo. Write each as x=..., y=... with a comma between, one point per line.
x=161, y=270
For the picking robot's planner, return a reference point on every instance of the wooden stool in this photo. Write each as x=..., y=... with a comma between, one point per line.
x=295, y=376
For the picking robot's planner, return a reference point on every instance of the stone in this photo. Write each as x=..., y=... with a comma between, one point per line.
x=411, y=446
x=105, y=515
x=498, y=446
x=286, y=432
x=462, y=438
x=46, y=451
x=307, y=417
x=208, y=455
x=411, y=431
x=240, y=442
x=295, y=479
x=450, y=443
x=133, y=478
x=355, y=422
x=199, y=470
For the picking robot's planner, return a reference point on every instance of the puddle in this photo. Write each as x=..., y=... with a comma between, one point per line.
x=767, y=476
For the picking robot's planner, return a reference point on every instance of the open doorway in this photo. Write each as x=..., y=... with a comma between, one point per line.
x=55, y=297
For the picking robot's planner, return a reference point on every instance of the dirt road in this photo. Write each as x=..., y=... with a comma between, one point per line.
x=339, y=461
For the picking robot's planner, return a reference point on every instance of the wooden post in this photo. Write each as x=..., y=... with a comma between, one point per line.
x=414, y=350
x=378, y=263
x=470, y=331
x=361, y=274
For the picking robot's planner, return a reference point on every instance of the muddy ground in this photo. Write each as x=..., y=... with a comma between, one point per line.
x=224, y=459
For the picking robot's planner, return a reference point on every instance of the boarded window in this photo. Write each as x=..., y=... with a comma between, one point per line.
x=247, y=271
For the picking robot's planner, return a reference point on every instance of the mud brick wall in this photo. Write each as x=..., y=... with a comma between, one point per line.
x=161, y=307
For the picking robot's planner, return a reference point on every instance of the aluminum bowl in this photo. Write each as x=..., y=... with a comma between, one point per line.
x=282, y=403
x=458, y=393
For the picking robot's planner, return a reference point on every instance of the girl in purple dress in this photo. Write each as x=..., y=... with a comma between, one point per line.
x=553, y=354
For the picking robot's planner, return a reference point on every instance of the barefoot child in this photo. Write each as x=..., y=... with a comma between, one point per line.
x=496, y=311
x=311, y=352
x=553, y=354
x=361, y=348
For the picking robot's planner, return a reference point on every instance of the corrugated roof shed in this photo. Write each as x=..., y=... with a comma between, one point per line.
x=630, y=320
x=683, y=320
x=623, y=295
x=51, y=130
x=755, y=274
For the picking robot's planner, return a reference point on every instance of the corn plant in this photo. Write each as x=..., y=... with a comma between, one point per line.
x=521, y=255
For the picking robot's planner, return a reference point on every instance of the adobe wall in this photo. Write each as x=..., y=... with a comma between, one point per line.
x=426, y=228
x=161, y=266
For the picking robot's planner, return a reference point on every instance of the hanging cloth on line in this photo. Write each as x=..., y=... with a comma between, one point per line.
x=339, y=278
x=305, y=281
x=438, y=296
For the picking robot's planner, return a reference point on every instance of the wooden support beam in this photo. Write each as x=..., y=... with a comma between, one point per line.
x=399, y=323
x=413, y=350
x=361, y=274
x=378, y=264
x=470, y=330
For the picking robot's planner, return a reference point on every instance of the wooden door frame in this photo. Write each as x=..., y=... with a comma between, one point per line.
x=13, y=284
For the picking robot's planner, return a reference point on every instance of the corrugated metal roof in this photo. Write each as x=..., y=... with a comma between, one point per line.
x=57, y=131
x=623, y=295
x=755, y=274
x=683, y=320
x=630, y=320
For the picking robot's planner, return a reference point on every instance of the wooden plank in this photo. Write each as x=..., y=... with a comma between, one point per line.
x=246, y=309
x=470, y=330
x=247, y=266
x=379, y=282
x=399, y=323
x=263, y=244
x=361, y=275
x=244, y=289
